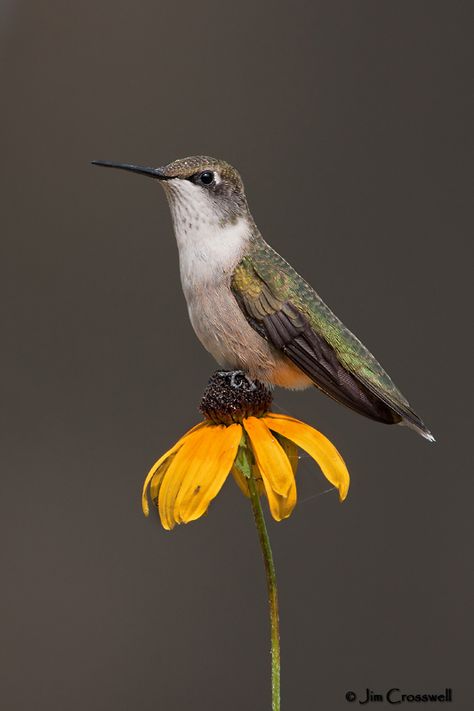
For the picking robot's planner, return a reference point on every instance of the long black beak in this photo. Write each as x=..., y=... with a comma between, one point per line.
x=151, y=172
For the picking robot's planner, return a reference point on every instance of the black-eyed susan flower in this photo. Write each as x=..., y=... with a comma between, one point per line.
x=184, y=481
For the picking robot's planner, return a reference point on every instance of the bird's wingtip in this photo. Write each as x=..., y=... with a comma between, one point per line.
x=419, y=427
x=424, y=432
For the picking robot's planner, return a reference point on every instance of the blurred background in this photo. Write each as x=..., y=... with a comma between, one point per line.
x=349, y=124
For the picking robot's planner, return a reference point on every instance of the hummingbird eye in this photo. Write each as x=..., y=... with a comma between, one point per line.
x=206, y=177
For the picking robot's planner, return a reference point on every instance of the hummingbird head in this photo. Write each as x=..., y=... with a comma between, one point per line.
x=211, y=219
x=205, y=190
x=198, y=188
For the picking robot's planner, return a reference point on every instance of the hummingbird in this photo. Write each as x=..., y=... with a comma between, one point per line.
x=251, y=310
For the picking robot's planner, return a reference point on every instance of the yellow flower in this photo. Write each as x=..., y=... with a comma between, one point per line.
x=184, y=481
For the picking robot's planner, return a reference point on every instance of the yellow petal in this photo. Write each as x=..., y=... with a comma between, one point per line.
x=161, y=460
x=280, y=506
x=177, y=472
x=270, y=457
x=157, y=478
x=291, y=451
x=153, y=471
x=317, y=446
x=207, y=472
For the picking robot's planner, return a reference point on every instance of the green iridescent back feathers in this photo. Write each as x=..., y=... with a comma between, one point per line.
x=265, y=284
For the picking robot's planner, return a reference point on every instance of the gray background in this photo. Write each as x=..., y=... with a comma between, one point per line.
x=349, y=123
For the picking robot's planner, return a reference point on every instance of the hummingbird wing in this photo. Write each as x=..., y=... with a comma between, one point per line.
x=287, y=312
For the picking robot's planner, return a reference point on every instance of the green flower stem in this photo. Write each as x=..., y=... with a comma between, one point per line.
x=270, y=572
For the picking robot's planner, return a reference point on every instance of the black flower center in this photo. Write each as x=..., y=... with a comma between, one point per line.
x=231, y=395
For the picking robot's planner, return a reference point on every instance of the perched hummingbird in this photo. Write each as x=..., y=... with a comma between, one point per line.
x=251, y=310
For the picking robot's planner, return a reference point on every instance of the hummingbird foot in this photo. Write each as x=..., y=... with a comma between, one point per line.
x=238, y=379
